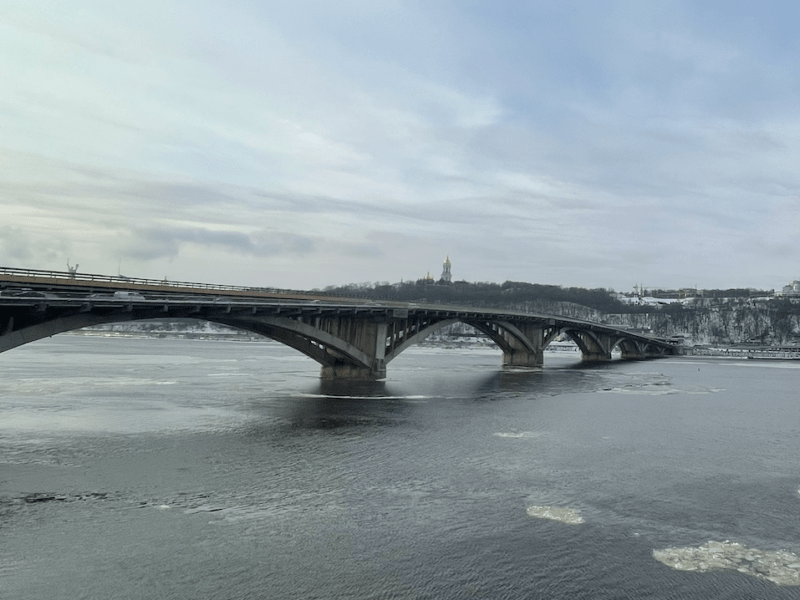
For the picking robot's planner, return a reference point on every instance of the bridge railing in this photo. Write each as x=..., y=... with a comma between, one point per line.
x=17, y=274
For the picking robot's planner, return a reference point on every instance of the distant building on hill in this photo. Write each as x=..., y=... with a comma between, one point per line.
x=793, y=289
x=446, y=277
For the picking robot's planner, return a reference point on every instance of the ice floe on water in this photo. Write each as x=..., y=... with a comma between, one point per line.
x=519, y=434
x=660, y=389
x=565, y=515
x=650, y=384
x=780, y=567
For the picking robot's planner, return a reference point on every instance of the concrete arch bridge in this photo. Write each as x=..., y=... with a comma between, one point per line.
x=350, y=338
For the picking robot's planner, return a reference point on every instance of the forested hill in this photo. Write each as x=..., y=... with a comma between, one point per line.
x=714, y=317
x=510, y=294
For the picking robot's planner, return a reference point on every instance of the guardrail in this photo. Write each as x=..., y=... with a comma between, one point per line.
x=11, y=273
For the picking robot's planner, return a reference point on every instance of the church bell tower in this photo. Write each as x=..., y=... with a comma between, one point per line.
x=446, y=276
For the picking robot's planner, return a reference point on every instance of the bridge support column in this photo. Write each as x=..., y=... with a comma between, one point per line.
x=655, y=352
x=630, y=350
x=596, y=357
x=595, y=347
x=527, y=351
x=368, y=337
x=351, y=372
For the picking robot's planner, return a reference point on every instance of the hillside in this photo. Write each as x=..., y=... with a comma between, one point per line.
x=712, y=317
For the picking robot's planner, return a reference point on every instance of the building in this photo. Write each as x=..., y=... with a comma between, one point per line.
x=793, y=289
x=446, y=275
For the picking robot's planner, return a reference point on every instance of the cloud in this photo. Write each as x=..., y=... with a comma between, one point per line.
x=314, y=144
x=15, y=245
x=156, y=243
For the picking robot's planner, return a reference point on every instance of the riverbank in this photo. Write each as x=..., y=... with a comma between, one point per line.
x=749, y=352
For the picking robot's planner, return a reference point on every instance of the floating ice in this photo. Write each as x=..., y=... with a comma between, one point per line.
x=565, y=515
x=519, y=434
x=780, y=567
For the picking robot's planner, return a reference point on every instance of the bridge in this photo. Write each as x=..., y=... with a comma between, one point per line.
x=350, y=337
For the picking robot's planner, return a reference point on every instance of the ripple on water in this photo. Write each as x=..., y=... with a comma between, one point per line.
x=570, y=516
x=780, y=567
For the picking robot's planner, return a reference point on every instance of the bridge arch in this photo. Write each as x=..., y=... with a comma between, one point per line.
x=521, y=345
x=599, y=345
x=593, y=346
x=629, y=348
x=314, y=342
x=405, y=341
x=13, y=338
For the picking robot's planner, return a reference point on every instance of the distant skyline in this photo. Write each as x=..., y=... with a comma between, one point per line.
x=305, y=144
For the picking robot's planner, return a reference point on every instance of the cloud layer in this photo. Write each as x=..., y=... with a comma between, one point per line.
x=304, y=144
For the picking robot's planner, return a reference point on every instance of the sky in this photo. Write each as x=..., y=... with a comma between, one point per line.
x=305, y=144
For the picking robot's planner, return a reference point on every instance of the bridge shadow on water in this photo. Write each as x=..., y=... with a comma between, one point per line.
x=332, y=405
x=573, y=377
x=362, y=405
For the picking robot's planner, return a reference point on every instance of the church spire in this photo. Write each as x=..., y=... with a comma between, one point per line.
x=446, y=275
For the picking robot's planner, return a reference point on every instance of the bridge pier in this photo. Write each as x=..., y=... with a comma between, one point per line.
x=522, y=343
x=344, y=371
x=631, y=350
x=594, y=347
x=653, y=352
x=521, y=358
x=524, y=346
x=366, y=340
x=595, y=356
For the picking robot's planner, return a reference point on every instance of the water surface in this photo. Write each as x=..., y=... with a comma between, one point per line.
x=147, y=468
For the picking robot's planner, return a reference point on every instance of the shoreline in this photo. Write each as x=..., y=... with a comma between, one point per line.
x=760, y=353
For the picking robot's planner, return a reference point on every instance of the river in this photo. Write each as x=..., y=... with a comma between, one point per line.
x=167, y=468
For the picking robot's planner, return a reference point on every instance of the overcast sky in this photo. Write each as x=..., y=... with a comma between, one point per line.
x=306, y=143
